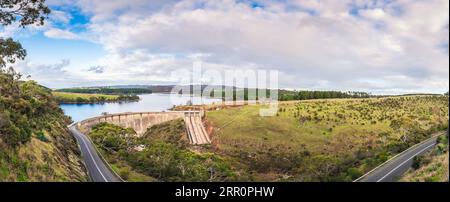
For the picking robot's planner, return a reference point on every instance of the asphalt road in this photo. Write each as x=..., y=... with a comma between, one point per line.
x=98, y=170
x=391, y=170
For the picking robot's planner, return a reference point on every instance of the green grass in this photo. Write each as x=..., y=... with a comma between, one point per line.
x=351, y=135
x=72, y=97
x=128, y=174
x=65, y=97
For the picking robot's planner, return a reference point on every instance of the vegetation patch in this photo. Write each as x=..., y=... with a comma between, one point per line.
x=324, y=140
x=431, y=167
x=35, y=144
x=161, y=154
x=80, y=98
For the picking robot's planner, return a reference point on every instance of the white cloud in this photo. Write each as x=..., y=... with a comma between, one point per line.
x=60, y=34
x=375, y=14
x=60, y=16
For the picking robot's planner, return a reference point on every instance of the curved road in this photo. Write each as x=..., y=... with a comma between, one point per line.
x=97, y=169
x=396, y=166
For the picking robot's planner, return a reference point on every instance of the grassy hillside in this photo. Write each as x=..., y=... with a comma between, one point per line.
x=35, y=144
x=324, y=140
x=64, y=97
x=432, y=167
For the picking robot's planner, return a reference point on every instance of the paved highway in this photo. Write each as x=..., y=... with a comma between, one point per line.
x=396, y=166
x=98, y=170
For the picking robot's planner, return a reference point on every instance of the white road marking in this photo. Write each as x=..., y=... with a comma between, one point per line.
x=92, y=157
x=405, y=162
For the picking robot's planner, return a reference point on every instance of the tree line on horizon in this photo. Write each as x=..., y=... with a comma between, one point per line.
x=285, y=95
x=288, y=95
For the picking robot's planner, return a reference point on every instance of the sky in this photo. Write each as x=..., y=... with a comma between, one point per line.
x=378, y=46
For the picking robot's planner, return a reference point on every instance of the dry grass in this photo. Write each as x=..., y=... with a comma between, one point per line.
x=436, y=171
x=335, y=129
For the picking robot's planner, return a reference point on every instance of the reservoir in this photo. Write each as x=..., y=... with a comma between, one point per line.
x=148, y=102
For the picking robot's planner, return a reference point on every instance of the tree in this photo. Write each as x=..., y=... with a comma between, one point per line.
x=26, y=12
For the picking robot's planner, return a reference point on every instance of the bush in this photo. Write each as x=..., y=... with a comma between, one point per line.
x=419, y=161
x=124, y=173
x=41, y=136
x=112, y=138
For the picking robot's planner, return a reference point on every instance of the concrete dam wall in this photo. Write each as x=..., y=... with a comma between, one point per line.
x=141, y=121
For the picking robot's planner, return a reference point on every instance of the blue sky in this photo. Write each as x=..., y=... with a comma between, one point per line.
x=42, y=49
x=368, y=45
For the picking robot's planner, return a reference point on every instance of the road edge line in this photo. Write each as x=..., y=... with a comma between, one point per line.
x=100, y=154
x=403, y=163
x=81, y=153
x=397, y=155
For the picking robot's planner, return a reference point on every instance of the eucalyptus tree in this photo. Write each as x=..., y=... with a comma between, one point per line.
x=24, y=13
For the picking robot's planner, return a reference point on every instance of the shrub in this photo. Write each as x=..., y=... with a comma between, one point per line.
x=41, y=136
x=419, y=161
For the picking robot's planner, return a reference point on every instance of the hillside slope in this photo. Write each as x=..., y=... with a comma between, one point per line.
x=324, y=140
x=35, y=144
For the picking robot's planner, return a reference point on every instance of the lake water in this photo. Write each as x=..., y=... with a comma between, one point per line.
x=148, y=102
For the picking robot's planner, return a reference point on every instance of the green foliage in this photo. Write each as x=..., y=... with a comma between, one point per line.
x=166, y=153
x=233, y=94
x=276, y=158
x=285, y=95
x=112, y=138
x=169, y=163
x=419, y=161
x=27, y=12
x=24, y=107
x=41, y=136
x=28, y=110
x=442, y=145
x=172, y=132
x=80, y=98
x=10, y=51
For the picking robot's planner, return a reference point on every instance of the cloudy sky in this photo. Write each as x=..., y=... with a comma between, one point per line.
x=379, y=46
